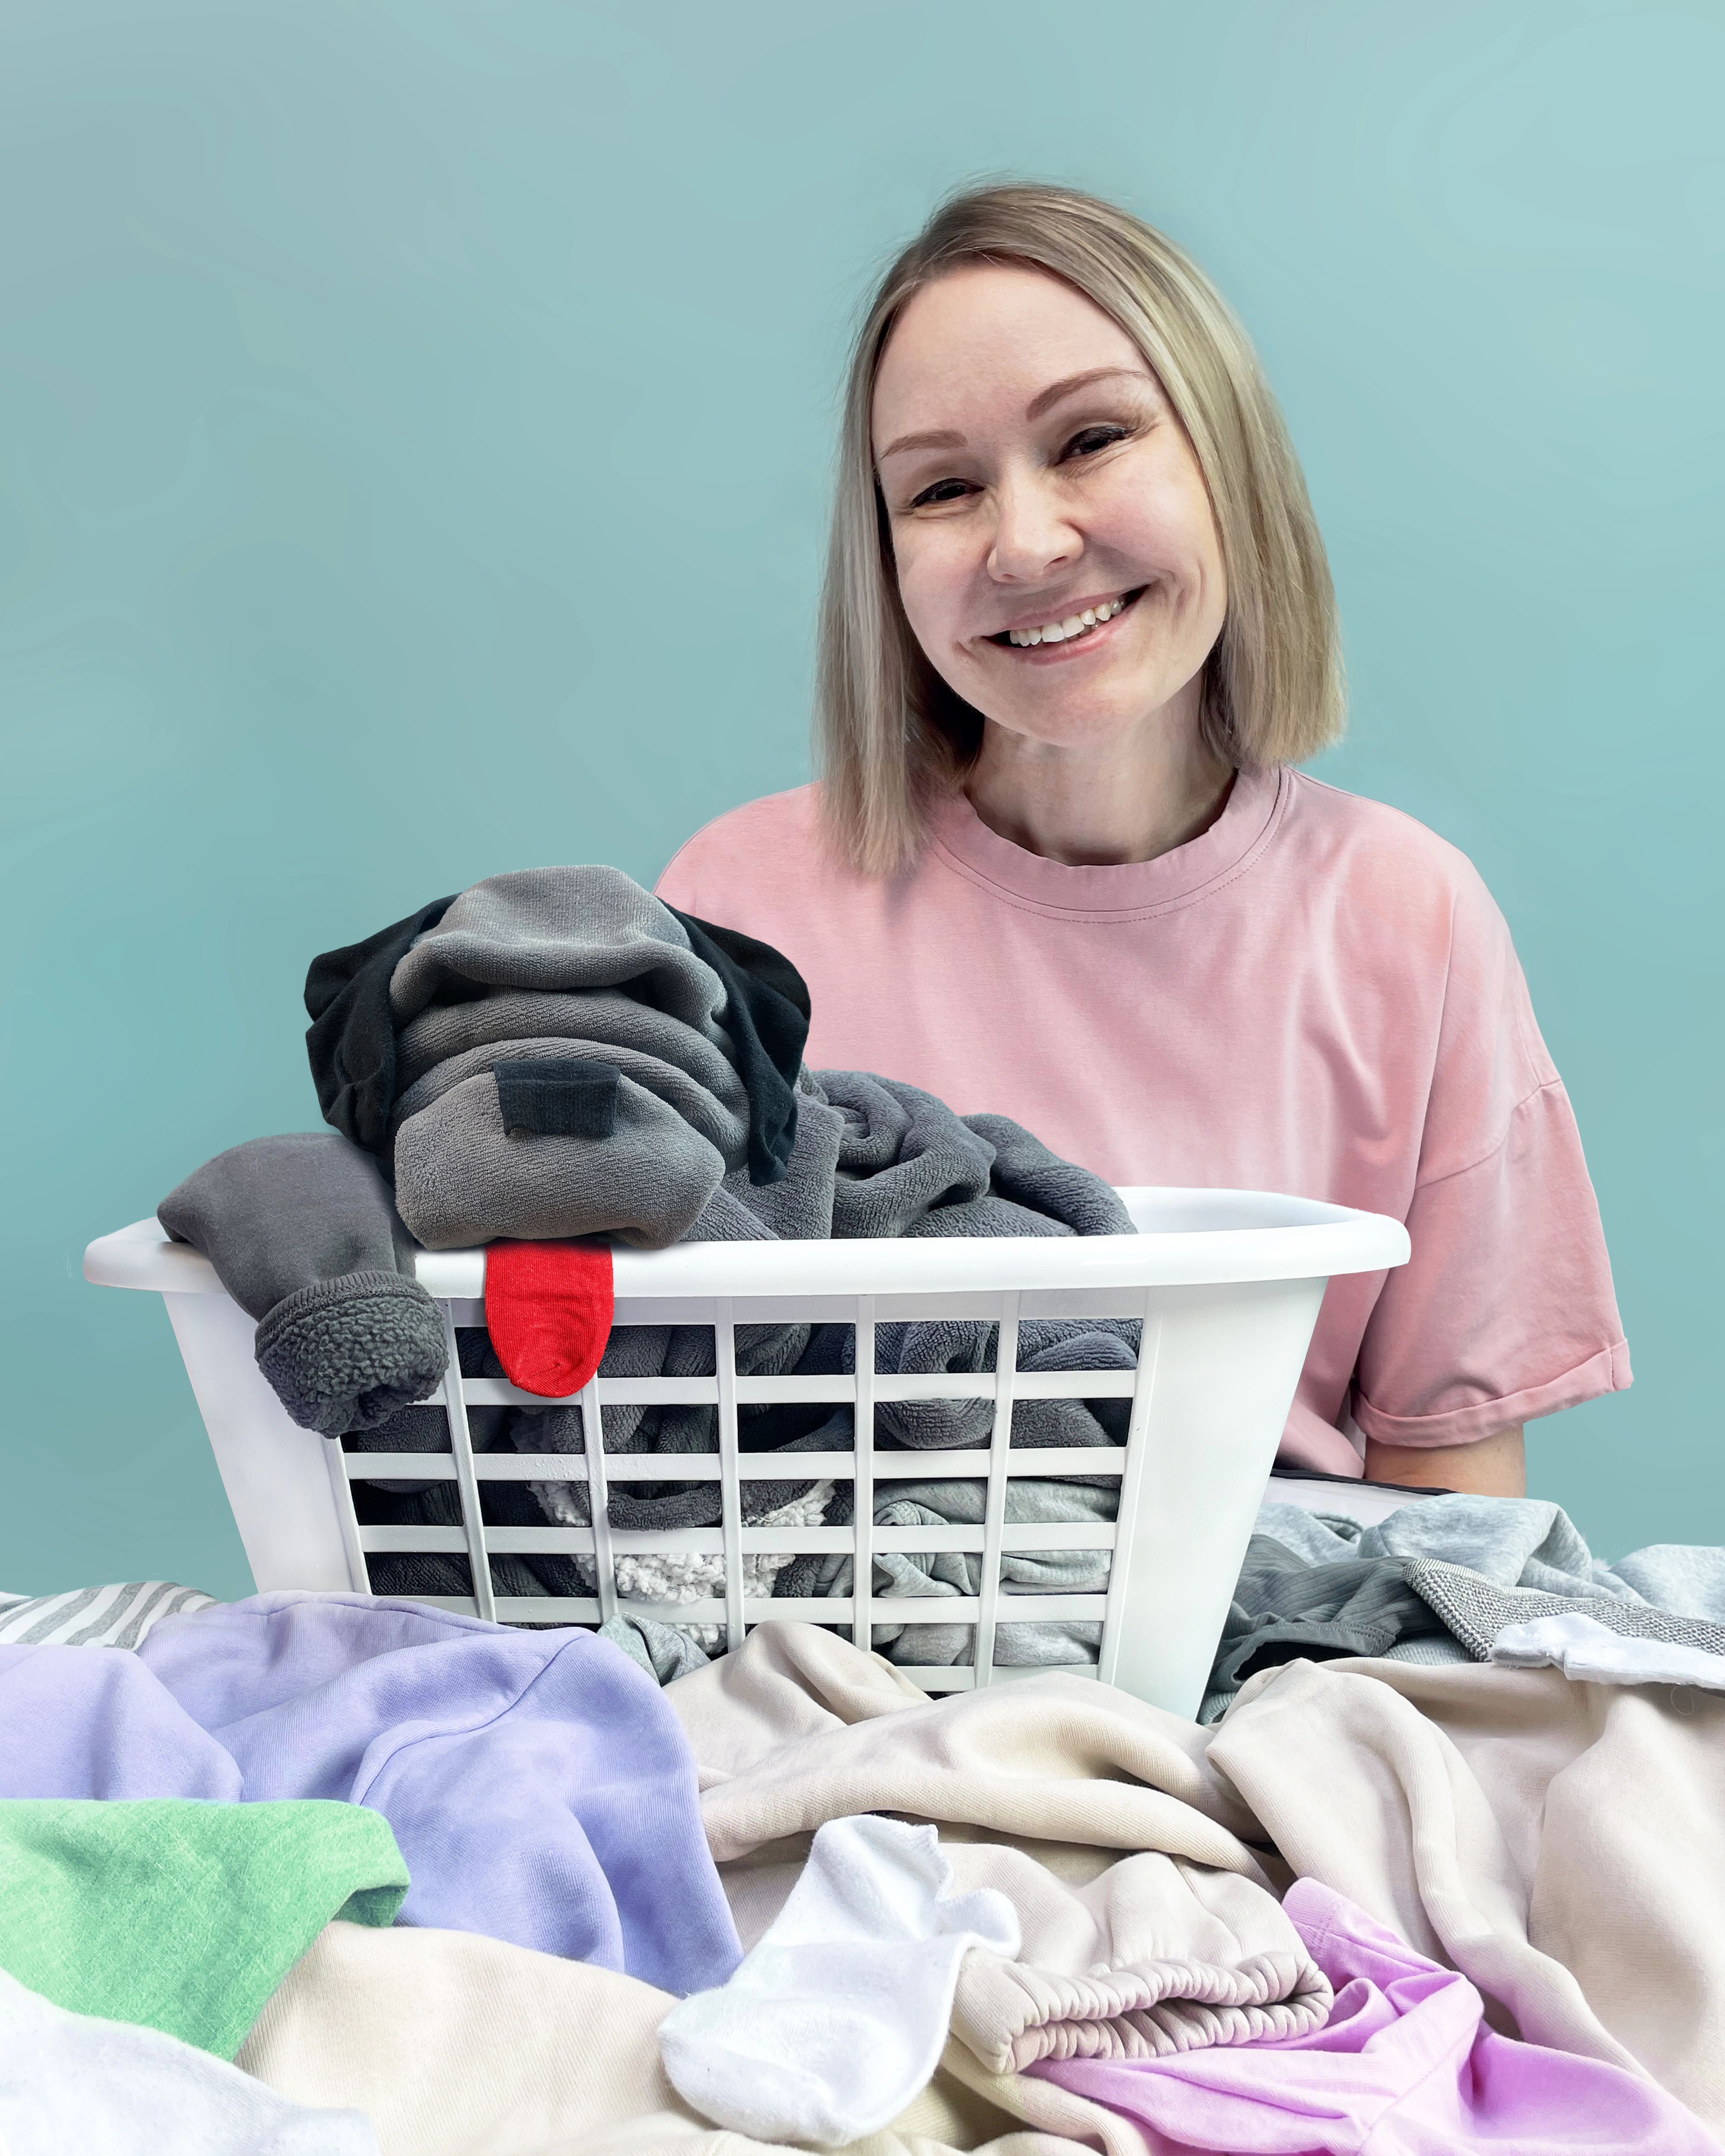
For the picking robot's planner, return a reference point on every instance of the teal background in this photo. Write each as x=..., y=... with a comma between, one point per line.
x=415, y=422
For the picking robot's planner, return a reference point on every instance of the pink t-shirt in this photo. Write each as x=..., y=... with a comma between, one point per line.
x=1317, y=996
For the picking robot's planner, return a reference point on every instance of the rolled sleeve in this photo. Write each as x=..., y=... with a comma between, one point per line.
x=1505, y=1310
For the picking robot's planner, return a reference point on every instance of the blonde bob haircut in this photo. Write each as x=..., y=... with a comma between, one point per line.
x=893, y=737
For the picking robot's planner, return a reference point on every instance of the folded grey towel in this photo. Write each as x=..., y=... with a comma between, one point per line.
x=1029, y=1501
x=1476, y=1610
x=303, y=1236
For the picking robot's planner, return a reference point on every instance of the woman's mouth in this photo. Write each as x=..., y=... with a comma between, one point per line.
x=1073, y=628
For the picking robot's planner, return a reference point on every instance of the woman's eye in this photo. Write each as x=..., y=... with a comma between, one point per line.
x=943, y=490
x=1089, y=439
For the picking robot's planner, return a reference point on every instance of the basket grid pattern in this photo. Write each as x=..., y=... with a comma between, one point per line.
x=868, y=1468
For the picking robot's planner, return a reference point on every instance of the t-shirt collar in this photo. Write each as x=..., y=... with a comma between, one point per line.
x=1179, y=878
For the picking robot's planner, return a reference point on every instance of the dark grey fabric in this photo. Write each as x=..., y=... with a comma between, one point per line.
x=344, y=1354
x=939, y=1172
x=1287, y=1610
x=570, y=1096
x=549, y=965
x=872, y=1156
x=767, y=1015
x=351, y=1041
x=524, y=959
x=303, y=1235
x=1476, y=1610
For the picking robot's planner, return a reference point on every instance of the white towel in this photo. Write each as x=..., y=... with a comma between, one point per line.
x=69, y=2082
x=1585, y=1649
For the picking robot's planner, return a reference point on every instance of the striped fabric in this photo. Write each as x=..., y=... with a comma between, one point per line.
x=94, y=1616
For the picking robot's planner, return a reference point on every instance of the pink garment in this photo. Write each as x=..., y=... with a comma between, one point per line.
x=1406, y=2066
x=1317, y=996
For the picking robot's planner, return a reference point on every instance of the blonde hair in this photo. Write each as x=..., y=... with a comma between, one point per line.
x=892, y=737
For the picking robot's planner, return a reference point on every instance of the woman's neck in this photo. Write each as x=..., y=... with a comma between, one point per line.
x=1104, y=805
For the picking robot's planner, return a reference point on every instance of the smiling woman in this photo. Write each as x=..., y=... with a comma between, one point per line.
x=1078, y=626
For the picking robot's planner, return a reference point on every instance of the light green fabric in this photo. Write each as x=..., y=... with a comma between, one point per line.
x=180, y=1915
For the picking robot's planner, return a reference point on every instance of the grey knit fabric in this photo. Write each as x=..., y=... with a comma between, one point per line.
x=1320, y=1585
x=302, y=1233
x=1285, y=1609
x=665, y=1651
x=1476, y=1610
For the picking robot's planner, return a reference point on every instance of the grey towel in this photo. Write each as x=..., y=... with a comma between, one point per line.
x=1476, y=1610
x=303, y=1236
x=1029, y=1501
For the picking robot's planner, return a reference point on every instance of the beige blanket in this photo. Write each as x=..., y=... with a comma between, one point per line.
x=458, y=2046
x=1561, y=1844
x=1176, y=1947
x=800, y=1726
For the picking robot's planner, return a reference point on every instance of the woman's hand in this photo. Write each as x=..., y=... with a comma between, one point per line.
x=1490, y=1467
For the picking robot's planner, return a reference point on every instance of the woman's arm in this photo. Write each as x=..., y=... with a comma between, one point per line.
x=1490, y=1467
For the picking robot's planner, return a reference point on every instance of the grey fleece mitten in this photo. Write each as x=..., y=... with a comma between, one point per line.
x=303, y=1235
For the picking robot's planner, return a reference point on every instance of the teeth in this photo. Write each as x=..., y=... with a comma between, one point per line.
x=1074, y=624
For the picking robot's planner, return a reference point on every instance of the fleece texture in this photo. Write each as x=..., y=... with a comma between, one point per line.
x=420, y=1036
x=303, y=1235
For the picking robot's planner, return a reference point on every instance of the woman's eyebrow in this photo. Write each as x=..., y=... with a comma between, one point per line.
x=945, y=440
x=1045, y=399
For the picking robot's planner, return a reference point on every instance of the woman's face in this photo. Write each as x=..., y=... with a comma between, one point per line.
x=1035, y=478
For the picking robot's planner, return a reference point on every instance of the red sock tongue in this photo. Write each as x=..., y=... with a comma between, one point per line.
x=548, y=1308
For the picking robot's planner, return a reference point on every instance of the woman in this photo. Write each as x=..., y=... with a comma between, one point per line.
x=1078, y=628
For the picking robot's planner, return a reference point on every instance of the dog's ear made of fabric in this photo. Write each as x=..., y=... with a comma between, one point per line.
x=351, y=1041
x=767, y=1014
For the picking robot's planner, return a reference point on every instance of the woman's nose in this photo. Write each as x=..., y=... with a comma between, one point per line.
x=1033, y=532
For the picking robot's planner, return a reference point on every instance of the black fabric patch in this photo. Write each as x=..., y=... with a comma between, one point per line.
x=564, y=1096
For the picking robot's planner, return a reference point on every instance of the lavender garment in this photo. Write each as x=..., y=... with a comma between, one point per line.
x=540, y=1787
x=1406, y=2066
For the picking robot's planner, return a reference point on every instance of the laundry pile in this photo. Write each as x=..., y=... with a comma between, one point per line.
x=555, y=1055
x=384, y=1859
x=1454, y=1578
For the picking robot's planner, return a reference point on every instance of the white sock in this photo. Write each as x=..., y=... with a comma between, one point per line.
x=838, y=2016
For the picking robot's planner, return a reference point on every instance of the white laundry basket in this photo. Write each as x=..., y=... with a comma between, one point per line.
x=1227, y=1283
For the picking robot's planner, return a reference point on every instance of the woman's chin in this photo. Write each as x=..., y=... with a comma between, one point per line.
x=1093, y=722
